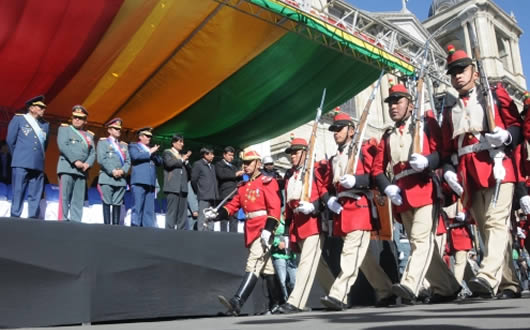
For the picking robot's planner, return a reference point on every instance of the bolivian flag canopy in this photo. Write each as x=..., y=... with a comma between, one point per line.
x=215, y=73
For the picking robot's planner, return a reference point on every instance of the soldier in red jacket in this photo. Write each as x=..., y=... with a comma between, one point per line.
x=465, y=134
x=301, y=217
x=260, y=201
x=347, y=197
x=412, y=196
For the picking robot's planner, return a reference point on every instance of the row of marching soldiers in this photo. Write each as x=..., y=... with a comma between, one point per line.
x=454, y=165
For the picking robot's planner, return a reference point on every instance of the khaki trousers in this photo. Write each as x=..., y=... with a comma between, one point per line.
x=310, y=264
x=354, y=256
x=459, y=266
x=259, y=261
x=441, y=241
x=493, y=224
x=425, y=260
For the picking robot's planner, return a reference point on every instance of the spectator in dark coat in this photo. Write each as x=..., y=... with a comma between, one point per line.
x=204, y=182
x=228, y=176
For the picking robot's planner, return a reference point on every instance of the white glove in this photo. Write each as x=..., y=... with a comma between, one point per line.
x=305, y=208
x=418, y=162
x=460, y=216
x=265, y=238
x=334, y=205
x=520, y=233
x=393, y=192
x=524, y=202
x=498, y=137
x=347, y=181
x=451, y=179
x=210, y=213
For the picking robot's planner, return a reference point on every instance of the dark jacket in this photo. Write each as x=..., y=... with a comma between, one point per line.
x=204, y=181
x=143, y=165
x=226, y=176
x=175, y=173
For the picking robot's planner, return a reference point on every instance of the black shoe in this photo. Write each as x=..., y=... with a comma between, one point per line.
x=333, y=304
x=232, y=305
x=439, y=299
x=403, y=292
x=385, y=302
x=481, y=287
x=508, y=294
x=288, y=309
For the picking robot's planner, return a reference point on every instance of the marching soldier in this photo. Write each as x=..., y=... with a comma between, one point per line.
x=303, y=225
x=113, y=156
x=351, y=211
x=77, y=155
x=144, y=161
x=464, y=132
x=259, y=199
x=27, y=138
x=412, y=193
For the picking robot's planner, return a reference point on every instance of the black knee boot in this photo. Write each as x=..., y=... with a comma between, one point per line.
x=235, y=304
x=116, y=210
x=275, y=293
x=106, y=214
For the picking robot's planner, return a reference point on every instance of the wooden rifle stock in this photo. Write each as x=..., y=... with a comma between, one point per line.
x=357, y=140
x=419, y=110
x=309, y=164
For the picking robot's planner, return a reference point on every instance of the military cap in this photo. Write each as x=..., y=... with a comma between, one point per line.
x=114, y=123
x=457, y=59
x=296, y=144
x=251, y=155
x=37, y=100
x=147, y=131
x=340, y=120
x=79, y=111
x=396, y=92
x=267, y=160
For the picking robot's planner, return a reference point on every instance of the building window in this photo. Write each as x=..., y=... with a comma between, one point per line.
x=504, y=51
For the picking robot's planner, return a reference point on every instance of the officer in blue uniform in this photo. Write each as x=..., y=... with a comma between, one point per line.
x=144, y=161
x=77, y=155
x=113, y=157
x=27, y=138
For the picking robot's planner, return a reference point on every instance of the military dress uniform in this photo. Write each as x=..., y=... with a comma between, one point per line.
x=27, y=139
x=143, y=182
x=464, y=134
x=353, y=224
x=112, y=155
x=415, y=212
x=259, y=199
x=306, y=232
x=74, y=145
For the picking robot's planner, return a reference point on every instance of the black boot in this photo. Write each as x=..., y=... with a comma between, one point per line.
x=275, y=293
x=106, y=214
x=116, y=210
x=235, y=304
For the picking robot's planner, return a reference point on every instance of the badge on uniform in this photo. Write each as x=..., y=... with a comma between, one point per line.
x=26, y=130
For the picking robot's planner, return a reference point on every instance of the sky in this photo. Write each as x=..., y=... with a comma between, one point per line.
x=420, y=8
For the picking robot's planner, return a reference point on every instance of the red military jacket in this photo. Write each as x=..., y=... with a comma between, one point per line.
x=475, y=169
x=301, y=225
x=355, y=214
x=460, y=237
x=417, y=188
x=258, y=194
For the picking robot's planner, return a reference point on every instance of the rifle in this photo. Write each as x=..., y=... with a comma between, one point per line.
x=496, y=155
x=309, y=163
x=357, y=140
x=419, y=109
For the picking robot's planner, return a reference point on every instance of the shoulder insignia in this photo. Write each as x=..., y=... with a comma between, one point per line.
x=103, y=138
x=266, y=179
x=90, y=132
x=124, y=143
x=19, y=114
x=65, y=124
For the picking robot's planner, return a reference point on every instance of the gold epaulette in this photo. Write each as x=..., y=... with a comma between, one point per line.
x=19, y=114
x=124, y=143
x=103, y=138
x=90, y=132
x=65, y=124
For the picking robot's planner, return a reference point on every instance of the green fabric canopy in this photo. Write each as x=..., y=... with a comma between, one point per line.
x=275, y=92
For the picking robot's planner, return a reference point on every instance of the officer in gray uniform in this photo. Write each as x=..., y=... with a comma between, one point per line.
x=27, y=139
x=113, y=156
x=77, y=155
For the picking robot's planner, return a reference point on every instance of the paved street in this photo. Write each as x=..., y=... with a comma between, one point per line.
x=471, y=314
